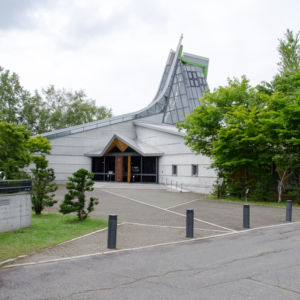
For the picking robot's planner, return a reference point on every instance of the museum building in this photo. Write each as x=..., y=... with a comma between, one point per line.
x=143, y=146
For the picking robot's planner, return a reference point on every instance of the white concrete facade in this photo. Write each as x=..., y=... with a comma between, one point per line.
x=67, y=155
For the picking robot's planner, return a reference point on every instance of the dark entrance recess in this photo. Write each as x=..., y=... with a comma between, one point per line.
x=121, y=163
x=130, y=168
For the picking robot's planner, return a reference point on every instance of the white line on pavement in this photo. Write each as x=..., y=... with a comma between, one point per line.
x=173, y=212
x=113, y=251
x=183, y=203
x=140, y=224
x=144, y=247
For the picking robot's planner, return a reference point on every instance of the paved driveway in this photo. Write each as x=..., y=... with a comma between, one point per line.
x=151, y=216
x=257, y=265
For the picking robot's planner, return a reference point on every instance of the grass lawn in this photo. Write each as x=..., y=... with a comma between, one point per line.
x=273, y=200
x=47, y=229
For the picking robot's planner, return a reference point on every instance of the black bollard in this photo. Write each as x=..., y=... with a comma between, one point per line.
x=246, y=219
x=190, y=223
x=289, y=210
x=112, y=232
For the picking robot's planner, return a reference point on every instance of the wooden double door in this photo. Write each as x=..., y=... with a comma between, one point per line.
x=120, y=168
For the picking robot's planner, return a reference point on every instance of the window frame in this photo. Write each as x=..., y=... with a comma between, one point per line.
x=174, y=170
x=194, y=175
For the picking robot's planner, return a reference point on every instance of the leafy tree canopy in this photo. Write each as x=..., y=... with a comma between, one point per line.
x=51, y=110
x=289, y=51
x=17, y=149
x=241, y=128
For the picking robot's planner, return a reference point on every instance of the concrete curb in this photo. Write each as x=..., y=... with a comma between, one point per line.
x=145, y=247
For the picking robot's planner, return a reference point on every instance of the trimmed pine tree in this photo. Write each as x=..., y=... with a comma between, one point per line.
x=42, y=185
x=75, y=199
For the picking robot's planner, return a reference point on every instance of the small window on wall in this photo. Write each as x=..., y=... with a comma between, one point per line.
x=194, y=170
x=174, y=170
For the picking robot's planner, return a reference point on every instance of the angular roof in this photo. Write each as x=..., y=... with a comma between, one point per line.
x=161, y=127
x=122, y=142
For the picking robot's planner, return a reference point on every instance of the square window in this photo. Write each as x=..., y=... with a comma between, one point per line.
x=168, y=118
x=174, y=170
x=194, y=93
x=194, y=170
x=175, y=90
x=184, y=100
x=181, y=114
x=174, y=116
x=182, y=88
x=178, y=102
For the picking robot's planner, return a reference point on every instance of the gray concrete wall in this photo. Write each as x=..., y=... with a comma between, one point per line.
x=15, y=211
x=67, y=154
x=177, y=153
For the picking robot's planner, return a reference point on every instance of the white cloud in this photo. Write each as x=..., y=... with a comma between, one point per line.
x=116, y=50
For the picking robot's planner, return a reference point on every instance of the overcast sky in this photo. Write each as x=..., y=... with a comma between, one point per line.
x=116, y=50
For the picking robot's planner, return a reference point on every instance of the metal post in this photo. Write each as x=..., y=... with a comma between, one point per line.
x=190, y=223
x=247, y=191
x=246, y=216
x=112, y=232
x=289, y=210
x=181, y=187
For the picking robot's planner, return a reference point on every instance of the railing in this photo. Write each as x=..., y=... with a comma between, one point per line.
x=15, y=186
x=173, y=184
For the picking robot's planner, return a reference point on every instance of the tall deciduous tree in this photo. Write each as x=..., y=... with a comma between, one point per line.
x=284, y=126
x=75, y=199
x=14, y=153
x=289, y=51
x=51, y=110
x=68, y=108
x=17, y=148
x=10, y=96
x=227, y=128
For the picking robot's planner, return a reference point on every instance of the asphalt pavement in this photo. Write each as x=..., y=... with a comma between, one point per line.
x=256, y=264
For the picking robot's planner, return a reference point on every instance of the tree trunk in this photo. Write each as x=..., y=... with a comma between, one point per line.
x=279, y=191
x=80, y=214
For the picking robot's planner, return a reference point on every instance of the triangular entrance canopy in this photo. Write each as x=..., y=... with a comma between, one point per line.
x=122, y=143
x=116, y=143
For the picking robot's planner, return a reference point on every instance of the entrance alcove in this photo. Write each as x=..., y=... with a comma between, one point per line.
x=125, y=160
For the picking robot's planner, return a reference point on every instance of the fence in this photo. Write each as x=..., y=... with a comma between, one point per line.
x=15, y=186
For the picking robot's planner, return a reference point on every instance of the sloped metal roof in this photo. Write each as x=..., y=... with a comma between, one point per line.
x=137, y=145
x=161, y=127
